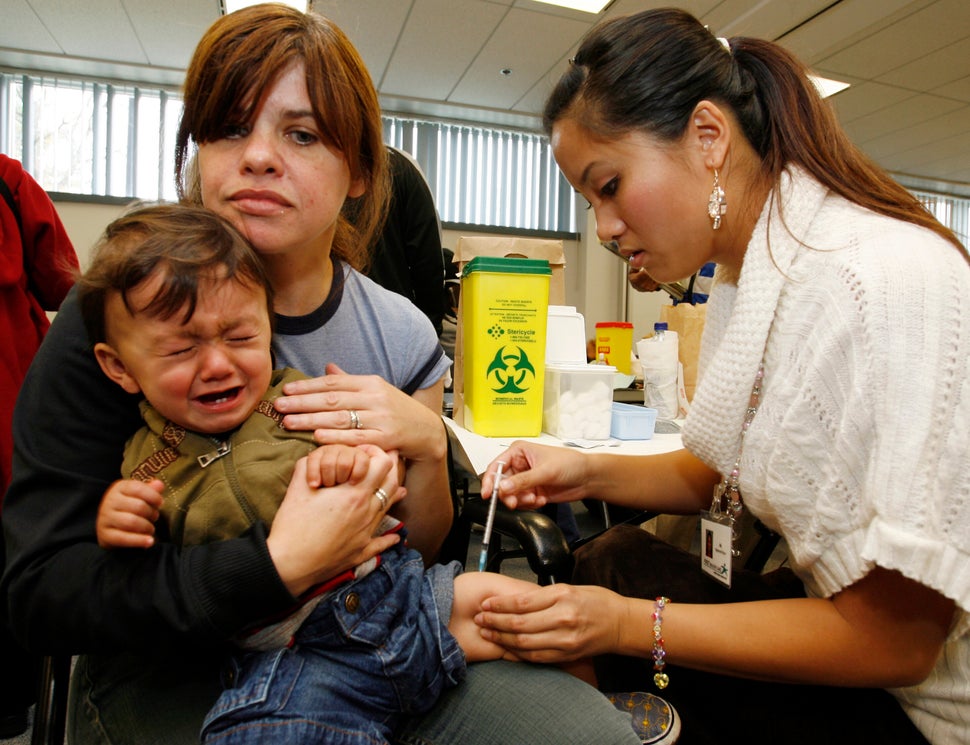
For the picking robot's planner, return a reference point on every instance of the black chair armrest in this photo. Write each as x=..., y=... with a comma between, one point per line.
x=542, y=542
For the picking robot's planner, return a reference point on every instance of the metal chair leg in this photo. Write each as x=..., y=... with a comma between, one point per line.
x=50, y=711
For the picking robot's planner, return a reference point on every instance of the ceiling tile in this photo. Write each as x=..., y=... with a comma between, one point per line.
x=22, y=28
x=769, y=19
x=96, y=29
x=865, y=99
x=908, y=39
x=523, y=43
x=958, y=89
x=373, y=26
x=934, y=70
x=844, y=24
x=438, y=45
x=917, y=110
x=186, y=20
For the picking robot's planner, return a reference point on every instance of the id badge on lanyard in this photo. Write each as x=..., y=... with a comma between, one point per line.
x=716, y=543
x=720, y=525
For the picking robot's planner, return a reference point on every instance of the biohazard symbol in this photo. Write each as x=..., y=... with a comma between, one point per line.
x=510, y=371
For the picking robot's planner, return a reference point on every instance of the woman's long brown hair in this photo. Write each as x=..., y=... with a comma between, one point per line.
x=234, y=66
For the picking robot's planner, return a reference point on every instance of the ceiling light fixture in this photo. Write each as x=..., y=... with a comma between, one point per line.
x=826, y=86
x=586, y=6
x=228, y=6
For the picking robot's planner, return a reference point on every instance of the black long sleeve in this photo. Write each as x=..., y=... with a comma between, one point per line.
x=407, y=257
x=64, y=593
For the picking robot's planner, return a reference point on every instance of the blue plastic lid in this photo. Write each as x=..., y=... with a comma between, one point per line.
x=660, y=326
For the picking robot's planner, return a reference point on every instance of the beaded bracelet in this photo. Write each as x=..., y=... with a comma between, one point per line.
x=660, y=678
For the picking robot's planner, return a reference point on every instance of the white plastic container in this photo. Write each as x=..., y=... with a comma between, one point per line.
x=577, y=401
x=565, y=336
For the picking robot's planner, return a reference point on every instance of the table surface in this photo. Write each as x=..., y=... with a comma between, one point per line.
x=475, y=452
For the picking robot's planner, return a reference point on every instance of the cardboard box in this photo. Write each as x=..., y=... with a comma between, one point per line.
x=503, y=246
x=507, y=246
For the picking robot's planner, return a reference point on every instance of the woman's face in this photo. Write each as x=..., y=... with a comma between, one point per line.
x=650, y=197
x=275, y=178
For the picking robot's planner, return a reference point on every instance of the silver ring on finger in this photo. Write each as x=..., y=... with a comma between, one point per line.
x=354, y=419
x=382, y=497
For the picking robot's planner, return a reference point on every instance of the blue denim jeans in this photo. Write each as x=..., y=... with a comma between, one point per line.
x=372, y=651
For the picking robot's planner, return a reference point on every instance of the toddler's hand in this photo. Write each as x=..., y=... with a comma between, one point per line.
x=127, y=514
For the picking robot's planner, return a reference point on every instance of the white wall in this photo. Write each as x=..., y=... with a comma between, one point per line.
x=84, y=223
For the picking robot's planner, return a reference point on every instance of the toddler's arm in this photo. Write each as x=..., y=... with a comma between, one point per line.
x=127, y=514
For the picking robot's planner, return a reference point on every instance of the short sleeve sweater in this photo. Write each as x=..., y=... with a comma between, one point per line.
x=860, y=449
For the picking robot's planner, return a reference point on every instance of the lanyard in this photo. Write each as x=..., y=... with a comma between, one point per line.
x=727, y=505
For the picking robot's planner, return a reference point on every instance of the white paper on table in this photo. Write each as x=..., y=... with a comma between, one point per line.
x=478, y=451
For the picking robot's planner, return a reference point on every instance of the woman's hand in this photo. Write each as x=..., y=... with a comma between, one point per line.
x=558, y=623
x=319, y=533
x=535, y=475
x=392, y=420
x=354, y=409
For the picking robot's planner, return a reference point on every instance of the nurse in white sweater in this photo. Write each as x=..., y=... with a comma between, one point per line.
x=833, y=404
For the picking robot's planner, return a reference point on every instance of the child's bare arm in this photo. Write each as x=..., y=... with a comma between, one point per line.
x=127, y=514
x=471, y=588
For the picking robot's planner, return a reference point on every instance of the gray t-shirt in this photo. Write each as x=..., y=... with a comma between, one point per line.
x=366, y=330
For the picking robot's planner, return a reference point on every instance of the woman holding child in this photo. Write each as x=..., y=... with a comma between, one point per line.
x=287, y=127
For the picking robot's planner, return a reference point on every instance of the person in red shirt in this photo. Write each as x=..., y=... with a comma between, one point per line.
x=38, y=265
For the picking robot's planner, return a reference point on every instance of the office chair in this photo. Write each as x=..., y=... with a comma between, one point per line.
x=50, y=711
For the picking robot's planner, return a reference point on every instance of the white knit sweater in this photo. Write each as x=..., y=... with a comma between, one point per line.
x=859, y=454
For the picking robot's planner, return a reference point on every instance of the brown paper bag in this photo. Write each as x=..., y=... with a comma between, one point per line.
x=507, y=246
x=500, y=246
x=688, y=321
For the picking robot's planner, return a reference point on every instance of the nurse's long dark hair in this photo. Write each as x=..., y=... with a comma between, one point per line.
x=649, y=70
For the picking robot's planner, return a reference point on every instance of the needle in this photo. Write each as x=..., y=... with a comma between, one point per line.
x=492, y=506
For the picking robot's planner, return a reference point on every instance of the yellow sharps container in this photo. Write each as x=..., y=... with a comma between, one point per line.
x=505, y=307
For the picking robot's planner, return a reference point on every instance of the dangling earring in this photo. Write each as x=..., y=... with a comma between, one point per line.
x=716, y=204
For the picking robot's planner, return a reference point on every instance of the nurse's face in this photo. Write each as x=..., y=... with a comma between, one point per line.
x=649, y=196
